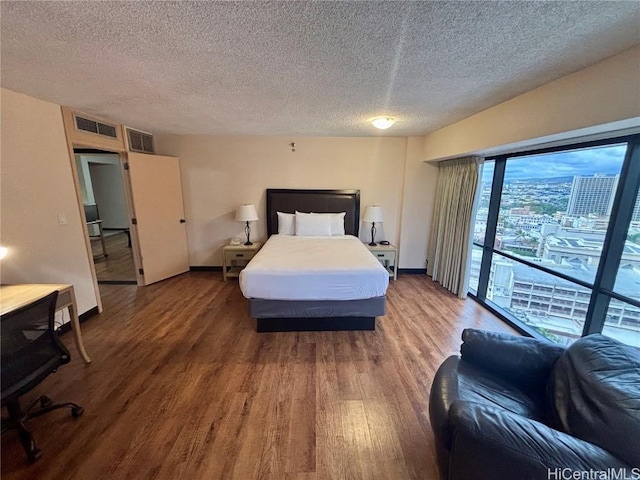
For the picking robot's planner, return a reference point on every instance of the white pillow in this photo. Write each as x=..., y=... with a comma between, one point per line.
x=337, y=222
x=286, y=223
x=308, y=224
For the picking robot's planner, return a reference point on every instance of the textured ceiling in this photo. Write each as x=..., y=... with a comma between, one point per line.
x=300, y=68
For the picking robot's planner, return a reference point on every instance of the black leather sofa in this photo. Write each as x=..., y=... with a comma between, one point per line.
x=519, y=408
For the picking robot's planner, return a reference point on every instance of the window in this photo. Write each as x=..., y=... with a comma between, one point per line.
x=623, y=322
x=555, y=207
x=549, y=315
x=628, y=276
x=486, y=182
x=563, y=259
x=476, y=258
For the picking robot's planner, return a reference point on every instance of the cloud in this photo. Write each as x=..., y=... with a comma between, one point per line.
x=604, y=160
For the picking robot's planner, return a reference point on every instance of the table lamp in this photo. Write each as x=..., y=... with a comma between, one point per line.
x=373, y=214
x=247, y=213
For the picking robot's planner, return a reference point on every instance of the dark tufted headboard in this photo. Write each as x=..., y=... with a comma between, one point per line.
x=317, y=201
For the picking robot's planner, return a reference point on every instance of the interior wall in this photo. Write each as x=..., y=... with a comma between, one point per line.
x=419, y=191
x=84, y=180
x=36, y=191
x=108, y=190
x=221, y=173
x=599, y=98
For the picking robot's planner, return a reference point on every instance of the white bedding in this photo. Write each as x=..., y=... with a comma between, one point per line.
x=314, y=268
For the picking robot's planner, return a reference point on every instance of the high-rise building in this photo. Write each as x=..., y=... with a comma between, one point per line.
x=592, y=195
x=636, y=210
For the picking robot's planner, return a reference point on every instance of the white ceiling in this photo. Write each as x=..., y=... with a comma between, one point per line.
x=300, y=68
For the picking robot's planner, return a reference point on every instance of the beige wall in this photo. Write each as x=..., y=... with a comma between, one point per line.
x=36, y=186
x=598, y=98
x=420, y=181
x=220, y=173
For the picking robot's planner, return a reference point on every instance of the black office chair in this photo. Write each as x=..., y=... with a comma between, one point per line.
x=31, y=351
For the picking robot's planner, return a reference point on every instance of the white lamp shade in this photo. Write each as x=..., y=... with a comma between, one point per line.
x=373, y=213
x=246, y=213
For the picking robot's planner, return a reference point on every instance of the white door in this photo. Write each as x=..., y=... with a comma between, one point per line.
x=156, y=194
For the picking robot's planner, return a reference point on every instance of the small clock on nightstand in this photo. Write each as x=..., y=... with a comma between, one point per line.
x=236, y=257
x=387, y=254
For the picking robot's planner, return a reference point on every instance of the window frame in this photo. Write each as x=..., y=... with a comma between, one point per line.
x=602, y=287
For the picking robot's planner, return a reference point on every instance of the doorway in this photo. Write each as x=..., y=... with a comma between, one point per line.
x=105, y=205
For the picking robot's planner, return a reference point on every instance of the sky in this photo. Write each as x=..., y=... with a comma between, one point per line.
x=607, y=160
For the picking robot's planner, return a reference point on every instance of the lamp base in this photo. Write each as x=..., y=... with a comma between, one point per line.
x=373, y=234
x=247, y=231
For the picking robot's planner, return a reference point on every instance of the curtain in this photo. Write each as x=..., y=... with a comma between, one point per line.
x=450, y=245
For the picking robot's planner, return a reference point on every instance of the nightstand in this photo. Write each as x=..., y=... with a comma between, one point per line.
x=387, y=254
x=236, y=257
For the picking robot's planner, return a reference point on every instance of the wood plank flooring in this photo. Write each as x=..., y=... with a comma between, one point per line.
x=182, y=387
x=118, y=265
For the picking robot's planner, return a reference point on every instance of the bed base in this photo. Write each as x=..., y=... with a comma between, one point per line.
x=316, y=315
x=319, y=324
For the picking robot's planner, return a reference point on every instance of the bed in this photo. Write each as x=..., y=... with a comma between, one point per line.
x=305, y=283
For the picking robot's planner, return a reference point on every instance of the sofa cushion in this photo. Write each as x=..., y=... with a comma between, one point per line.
x=460, y=380
x=594, y=390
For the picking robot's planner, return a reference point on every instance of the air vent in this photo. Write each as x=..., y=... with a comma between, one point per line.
x=140, y=141
x=88, y=125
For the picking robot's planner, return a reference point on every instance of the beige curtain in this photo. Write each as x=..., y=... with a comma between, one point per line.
x=450, y=244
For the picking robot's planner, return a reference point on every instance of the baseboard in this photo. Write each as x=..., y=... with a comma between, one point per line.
x=413, y=271
x=82, y=318
x=88, y=314
x=204, y=268
x=117, y=282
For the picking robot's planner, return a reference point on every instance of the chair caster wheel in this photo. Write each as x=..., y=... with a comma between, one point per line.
x=76, y=412
x=45, y=402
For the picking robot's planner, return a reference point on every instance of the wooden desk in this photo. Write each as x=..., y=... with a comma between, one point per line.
x=13, y=297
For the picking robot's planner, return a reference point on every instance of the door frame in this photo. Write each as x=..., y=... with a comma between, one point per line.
x=130, y=208
x=80, y=139
x=133, y=228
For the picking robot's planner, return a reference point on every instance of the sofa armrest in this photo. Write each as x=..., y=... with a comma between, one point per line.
x=524, y=361
x=444, y=391
x=489, y=443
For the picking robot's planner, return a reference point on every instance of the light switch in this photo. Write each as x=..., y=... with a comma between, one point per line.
x=62, y=219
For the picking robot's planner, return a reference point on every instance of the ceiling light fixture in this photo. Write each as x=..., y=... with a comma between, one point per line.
x=383, y=122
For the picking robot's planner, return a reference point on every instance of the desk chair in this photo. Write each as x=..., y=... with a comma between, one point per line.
x=30, y=351
x=92, y=215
